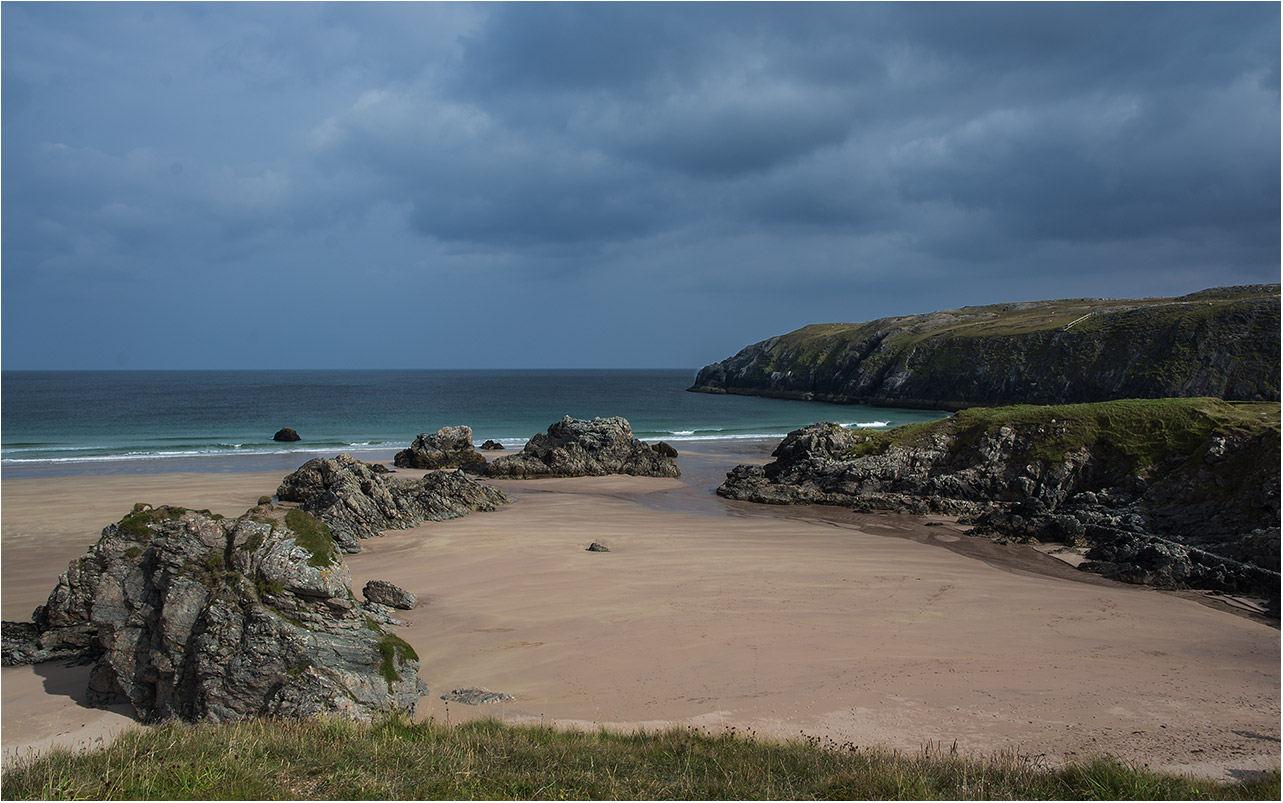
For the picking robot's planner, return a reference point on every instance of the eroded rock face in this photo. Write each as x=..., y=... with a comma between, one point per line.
x=577, y=448
x=1208, y=519
x=448, y=447
x=357, y=502
x=190, y=615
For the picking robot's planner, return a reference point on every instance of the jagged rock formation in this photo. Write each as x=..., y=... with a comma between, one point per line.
x=1222, y=343
x=357, y=502
x=491, y=446
x=190, y=615
x=381, y=592
x=286, y=435
x=1178, y=492
x=576, y=448
x=449, y=447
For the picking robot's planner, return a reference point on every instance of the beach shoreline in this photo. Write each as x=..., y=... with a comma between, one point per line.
x=868, y=628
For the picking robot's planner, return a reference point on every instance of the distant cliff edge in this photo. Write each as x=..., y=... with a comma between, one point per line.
x=1222, y=343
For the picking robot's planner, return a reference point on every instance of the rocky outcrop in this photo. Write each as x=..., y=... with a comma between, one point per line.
x=1222, y=343
x=576, y=448
x=286, y=435
x=357, y=502
x=491, y=446
x=665, y=448
x=381, y=592
x=1178, y=493
x=190, y=615
x=449, y=447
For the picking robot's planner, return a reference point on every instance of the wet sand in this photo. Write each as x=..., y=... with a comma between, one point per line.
x=869, y=629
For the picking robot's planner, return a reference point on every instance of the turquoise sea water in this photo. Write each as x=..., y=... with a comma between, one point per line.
x=70, y=422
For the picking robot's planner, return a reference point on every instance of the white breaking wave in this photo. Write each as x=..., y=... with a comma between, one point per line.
x=867, y=424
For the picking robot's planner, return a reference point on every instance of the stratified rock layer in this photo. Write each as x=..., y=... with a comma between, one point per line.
x=1222, y=343
x=577, y=448
x=357, y=502
x=448, y=447
x=194, y=616
x=1176, y=493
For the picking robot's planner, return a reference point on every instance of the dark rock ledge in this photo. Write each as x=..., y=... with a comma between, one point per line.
x=1204, y=516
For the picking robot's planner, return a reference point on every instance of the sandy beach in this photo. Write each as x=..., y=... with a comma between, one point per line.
x=869, y=629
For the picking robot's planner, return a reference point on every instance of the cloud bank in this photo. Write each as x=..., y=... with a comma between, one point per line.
x=609, y=185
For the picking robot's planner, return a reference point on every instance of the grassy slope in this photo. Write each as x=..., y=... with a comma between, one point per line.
x=826, y=344
x=1138, y=433
x=332, y=759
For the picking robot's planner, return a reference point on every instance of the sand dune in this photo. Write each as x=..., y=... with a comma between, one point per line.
x=861, y=628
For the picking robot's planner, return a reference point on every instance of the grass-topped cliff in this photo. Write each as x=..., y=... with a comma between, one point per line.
x=1222, y=342
x=397, y=760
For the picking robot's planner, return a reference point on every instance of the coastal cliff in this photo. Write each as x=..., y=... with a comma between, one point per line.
x=1170, y=492
x=1222, y=343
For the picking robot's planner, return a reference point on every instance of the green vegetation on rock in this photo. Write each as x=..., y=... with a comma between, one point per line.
x=138, y=522
x=313, y=535
x=1137, y=434
x=325, y=759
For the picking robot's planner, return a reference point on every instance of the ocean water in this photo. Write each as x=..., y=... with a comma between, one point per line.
x=68, y=422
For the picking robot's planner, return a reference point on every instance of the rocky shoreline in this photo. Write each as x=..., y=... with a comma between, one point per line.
x=187, y=614
x=1202, y=514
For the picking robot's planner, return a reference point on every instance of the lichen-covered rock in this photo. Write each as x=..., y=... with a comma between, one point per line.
x=1173, y=493
x=448, y=447
x=382, y=592
x=577, y=448
x=357, y=502
x=190, y=615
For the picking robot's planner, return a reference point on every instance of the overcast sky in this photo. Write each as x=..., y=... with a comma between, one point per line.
x=337, y=185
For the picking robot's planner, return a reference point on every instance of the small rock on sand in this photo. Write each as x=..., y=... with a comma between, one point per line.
x=475, y=696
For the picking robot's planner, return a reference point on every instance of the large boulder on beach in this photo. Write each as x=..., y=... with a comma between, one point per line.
x=356, y=502
x=190, y=615
x=448, y=447
x=578, y=448
x=381, y=592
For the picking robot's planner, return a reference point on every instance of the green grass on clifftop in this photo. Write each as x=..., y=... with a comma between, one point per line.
x=1138, y=433
x=334, y=759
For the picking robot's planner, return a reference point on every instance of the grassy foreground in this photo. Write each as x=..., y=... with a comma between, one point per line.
x=334, y=759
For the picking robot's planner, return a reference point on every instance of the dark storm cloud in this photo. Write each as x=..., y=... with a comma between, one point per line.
x=810, y=161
